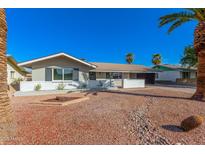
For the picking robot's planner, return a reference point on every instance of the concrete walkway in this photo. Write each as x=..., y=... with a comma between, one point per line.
x=46, y=92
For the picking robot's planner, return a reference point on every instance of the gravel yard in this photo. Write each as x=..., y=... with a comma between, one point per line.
x=138, y=116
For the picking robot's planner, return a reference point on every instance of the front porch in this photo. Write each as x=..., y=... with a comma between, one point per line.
x=119, y=76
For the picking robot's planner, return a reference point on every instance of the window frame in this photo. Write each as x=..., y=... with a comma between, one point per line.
x=12, y=74
x=53, y=74
x=186, y=75
x=63, y=75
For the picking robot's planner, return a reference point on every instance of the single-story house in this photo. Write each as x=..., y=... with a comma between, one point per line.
x=14, y=72
x=174, y=73
x=64, y=68
x=59, y=67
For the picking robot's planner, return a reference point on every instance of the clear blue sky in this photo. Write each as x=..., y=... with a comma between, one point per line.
x=98, y=35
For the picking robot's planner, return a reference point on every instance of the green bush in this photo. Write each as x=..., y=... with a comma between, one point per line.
x=16, y=81
x=37, y=87
x=61, y=86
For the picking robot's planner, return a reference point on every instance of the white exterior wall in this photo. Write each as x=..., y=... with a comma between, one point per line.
x=47, y=85
x=16, y=74
x=133, y=83
x=168, y=75
x=118, y=82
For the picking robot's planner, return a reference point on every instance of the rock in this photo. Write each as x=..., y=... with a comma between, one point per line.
x=192, y=122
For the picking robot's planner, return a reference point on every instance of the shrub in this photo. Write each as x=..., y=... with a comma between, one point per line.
x=192, y=122
x=83, y=85
x=37, y=87
x=16, y=81
x=61, y=86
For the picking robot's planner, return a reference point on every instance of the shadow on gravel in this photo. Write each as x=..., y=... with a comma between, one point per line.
x=173, y=128
x=146, y=95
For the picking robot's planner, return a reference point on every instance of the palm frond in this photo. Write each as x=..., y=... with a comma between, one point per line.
x=199, y=13
x=177, y=24
x=175, y=16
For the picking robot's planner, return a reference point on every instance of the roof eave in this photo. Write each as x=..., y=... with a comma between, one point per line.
x=26, y=64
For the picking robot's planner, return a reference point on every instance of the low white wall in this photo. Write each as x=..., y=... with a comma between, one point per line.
x=118, y=82
x=47, y=85
x=99, y=84
x=133, y=83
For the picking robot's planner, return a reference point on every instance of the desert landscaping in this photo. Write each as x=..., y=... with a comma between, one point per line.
x=150, y=115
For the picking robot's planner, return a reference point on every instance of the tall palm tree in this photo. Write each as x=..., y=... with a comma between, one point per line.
x=156, y=59
x=189, y=58
x=5, y=108
x=176, y=20
x=130, y=58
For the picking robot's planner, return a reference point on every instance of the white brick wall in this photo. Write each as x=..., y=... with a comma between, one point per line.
x=133, y=83
x=47, y=85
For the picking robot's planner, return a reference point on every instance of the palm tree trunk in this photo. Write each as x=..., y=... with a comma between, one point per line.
x=5, y=108
x=200, y=91
x=199, y=47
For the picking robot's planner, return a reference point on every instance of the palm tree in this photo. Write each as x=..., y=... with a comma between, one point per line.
x=189, y=58
x=156, y=59
x=130, y=58
x=5, y=108
x=176, y=20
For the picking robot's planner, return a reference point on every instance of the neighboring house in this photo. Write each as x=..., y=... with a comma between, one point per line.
x=175, y=73
x=63, y=68
x=14, y=72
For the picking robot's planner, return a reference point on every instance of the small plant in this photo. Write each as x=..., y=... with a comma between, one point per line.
x=37, y=87
x=100, y=83
x=16, y=81
x=61, y=86
x=83, y=86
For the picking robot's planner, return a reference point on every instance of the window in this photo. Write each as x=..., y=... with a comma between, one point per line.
x=12, y=73
x=68, y=74
x=113, y=75
x=62, y=73
x=92, y=75
x=185, y=75
x=116, y=75
x=107, y=75
x=133, y=75
x=57, y=74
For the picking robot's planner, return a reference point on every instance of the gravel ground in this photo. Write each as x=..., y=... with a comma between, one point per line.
x=137, y=116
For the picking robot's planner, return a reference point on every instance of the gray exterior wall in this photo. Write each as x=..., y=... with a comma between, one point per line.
x=38, y=74
x=38, y=68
